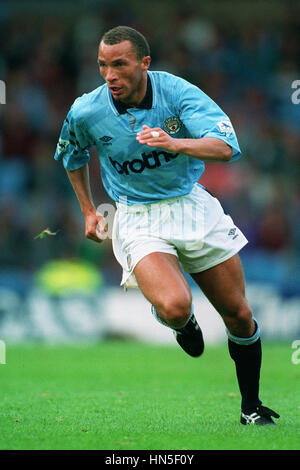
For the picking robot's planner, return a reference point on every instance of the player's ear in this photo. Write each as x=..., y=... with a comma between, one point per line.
x=146, y=62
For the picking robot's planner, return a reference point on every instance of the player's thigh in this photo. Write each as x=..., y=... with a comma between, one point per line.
x=162, y=282
x=224, y=286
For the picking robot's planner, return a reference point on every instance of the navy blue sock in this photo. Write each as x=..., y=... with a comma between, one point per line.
x=247, y=358
x=246, y=353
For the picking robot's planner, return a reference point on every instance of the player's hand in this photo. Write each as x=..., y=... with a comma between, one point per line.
x=156, y=137
x=95, y=227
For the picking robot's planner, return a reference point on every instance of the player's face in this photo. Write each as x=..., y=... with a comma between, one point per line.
x=125, y=75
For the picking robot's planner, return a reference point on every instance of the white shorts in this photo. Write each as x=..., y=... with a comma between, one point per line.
x=193, y=227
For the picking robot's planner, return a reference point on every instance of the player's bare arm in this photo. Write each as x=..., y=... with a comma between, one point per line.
x=94, y=223
x=206, y=149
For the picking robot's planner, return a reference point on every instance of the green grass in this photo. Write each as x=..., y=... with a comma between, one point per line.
x=126, y=395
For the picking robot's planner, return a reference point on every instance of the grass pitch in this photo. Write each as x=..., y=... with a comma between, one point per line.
x=125, y=395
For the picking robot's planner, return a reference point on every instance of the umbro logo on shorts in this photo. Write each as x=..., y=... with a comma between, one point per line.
x=138, y=165
x=232, y=232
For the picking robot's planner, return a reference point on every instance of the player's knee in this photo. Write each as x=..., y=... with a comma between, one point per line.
x=175, y=312
x=238, y=310
x=239, y=320
x=243, y=314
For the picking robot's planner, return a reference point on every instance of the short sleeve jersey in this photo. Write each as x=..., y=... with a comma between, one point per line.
x=135, y=173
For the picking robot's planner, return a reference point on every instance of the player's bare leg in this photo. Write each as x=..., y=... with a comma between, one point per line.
x=165, y=287
x=163, y=284
x=224, y=287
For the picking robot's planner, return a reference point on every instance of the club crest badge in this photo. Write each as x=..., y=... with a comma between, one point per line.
x=129, y=261
x=172, y=125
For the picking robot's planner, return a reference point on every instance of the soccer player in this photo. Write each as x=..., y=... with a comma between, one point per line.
x=153, y=132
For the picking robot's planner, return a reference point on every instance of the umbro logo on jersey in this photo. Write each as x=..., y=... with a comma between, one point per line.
x=105, y=138
x=138, y=165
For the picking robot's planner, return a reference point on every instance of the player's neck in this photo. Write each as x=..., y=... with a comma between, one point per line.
x=137, y=97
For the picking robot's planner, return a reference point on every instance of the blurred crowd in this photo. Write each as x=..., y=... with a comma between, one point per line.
x=247, y=67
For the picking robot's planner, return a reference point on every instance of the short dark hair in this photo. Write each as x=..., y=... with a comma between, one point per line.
x=125, y=33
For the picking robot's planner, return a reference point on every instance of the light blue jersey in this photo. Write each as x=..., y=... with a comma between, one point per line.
x=135, y=173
